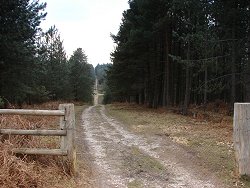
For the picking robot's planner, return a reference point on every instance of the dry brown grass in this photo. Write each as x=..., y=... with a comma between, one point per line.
x=21, y=171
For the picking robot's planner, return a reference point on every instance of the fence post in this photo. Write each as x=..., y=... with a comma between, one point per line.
x=242, y=137
x=68, y=142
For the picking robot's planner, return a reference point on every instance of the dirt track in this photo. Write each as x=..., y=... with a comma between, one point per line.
x=120, y=158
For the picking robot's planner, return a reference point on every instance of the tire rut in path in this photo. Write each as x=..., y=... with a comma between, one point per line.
x=121, y=158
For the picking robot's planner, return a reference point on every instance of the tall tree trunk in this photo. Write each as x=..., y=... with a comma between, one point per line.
x=146, y=83
x=156, y=86
x=188, y=82
x=167, y=67
x=205, y=87
x=233, y=68
x=165, y=99
x=206, y=74
x=157, y=76
x=247, y=71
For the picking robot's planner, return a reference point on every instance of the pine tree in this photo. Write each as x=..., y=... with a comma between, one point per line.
x=19, y=24
x=81, y=77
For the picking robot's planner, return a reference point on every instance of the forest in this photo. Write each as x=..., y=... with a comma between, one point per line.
x=34, y=66
x=177, y=53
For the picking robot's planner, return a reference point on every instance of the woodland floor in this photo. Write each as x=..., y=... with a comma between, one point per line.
x=130, y=146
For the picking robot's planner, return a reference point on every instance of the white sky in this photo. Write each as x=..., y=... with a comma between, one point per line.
x=86, y=24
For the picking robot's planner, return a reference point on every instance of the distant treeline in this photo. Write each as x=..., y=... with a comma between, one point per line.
x=33, y=63
x=173, y=53
x=101, y=73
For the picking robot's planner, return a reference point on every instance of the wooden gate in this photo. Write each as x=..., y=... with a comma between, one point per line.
x=66, y=132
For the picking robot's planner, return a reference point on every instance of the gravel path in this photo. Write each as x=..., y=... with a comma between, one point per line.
x=124, y=159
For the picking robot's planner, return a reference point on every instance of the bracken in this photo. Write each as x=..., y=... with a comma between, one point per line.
x=22, y=171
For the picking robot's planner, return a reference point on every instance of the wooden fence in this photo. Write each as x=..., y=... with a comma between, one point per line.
x=66, y=132
x=242, y=137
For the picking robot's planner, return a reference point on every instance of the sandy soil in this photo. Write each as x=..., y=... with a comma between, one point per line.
x=120, y=158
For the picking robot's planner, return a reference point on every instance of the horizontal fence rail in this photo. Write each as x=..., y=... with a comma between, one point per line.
x=34, y=132
x=32, y=112
x=35, y=151
x=66, y=132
